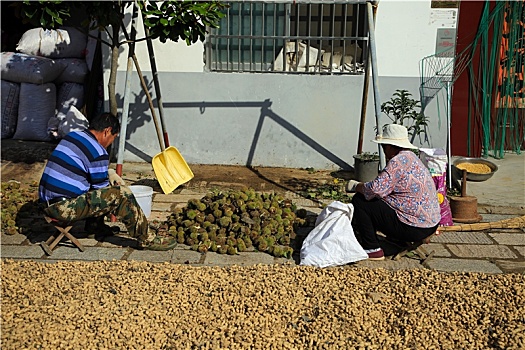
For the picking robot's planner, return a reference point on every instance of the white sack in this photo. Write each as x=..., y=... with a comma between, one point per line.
x=296, y=61
x=435, y=159
x=75, y=70
x=36, y=107
x=332, y=241
x=53, y=43
x=10, y=97
x=22, y=68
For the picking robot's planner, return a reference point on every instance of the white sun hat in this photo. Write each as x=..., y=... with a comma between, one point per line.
x=396, y=135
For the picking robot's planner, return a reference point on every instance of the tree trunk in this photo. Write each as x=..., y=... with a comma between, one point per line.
x=113, y=73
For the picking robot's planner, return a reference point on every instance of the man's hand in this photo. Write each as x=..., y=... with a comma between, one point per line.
x=351, y=186
x=114, y=179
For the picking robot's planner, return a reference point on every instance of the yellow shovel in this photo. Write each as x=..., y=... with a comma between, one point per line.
x=170, y=168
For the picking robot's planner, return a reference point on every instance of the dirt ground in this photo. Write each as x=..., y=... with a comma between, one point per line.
x=24, y=161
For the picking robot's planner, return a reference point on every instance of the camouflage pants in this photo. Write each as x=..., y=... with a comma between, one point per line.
x=116, y=200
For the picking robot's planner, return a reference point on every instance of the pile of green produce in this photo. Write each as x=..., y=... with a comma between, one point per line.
x=334, y=190
x=228, y=222
x=17, y=203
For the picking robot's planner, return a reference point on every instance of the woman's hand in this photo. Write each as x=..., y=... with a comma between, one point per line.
x=351, y=186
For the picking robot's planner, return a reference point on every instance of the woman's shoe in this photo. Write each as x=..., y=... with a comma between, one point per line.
x=375, y=254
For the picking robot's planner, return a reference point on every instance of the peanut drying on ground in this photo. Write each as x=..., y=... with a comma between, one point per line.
x=142, y=305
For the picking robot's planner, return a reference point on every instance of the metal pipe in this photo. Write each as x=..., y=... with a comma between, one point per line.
x=127, y=89
x=366, y=87
x=375, y=82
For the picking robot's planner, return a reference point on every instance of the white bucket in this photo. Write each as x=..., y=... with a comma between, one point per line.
x=143, y=195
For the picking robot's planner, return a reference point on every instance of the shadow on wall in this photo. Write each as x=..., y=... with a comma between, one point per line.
x=138, y=118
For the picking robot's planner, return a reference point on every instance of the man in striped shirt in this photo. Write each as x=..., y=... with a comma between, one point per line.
x=75, y=184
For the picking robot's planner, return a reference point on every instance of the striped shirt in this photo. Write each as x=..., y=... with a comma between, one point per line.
x=407, y=187
x=78, y=164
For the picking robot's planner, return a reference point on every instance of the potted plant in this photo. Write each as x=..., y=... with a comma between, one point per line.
x=366, y=166
x=401, y=109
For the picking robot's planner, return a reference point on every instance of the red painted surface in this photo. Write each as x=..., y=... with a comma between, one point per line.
x=468, y=22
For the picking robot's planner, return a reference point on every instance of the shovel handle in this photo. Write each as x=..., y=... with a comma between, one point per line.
x=150, y=102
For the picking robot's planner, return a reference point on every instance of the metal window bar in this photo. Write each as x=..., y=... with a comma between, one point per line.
x=290, y=24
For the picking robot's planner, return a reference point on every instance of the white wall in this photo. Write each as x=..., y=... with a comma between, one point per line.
x=406, y=33
x=169, y=57
x=313, y=121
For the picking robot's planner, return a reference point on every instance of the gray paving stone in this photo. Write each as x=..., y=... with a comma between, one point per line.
x=21, y=252
x=306, y=203
x=161, y=206
x=177, y=198
x=462, y=237
x=242, y=259
x=496, y=217
x=463, y=265
x=284, y=261
x=152, y=256
x=13, y=239
x=189, y=192
x=481, y=251
x=521, y=250
x=389, y=264
x=88, y=242
x=90, y=254
x=439, y=250
x=166, y=198
x=159, y=215
x=499, y=209
x=509, y=238
x=511, y=266
x=185, y=256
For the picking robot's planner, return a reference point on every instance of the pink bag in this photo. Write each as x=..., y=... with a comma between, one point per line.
x=435, y=159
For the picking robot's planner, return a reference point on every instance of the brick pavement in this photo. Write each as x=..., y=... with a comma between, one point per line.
x=489, y=251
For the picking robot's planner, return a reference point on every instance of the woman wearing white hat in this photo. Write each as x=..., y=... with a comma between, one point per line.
x=401, y=201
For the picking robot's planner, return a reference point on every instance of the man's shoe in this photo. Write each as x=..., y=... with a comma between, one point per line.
x=99, y=230
x=374, y=254
x=106, y=231
x=160, y=243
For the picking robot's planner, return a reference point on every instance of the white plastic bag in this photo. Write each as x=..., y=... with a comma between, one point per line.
x=54, y=43
x=332, y=242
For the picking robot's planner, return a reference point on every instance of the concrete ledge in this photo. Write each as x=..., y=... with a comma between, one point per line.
x=152, y=256
x=90, y=254
x=22, y=252
x=242, y=259
x=13, y=239
x=185, y=256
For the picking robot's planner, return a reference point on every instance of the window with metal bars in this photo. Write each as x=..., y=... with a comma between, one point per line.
x=306, y=37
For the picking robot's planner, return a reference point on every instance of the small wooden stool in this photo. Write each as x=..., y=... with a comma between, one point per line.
x=63, y=230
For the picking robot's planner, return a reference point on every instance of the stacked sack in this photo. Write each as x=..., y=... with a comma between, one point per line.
x=43, y=85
